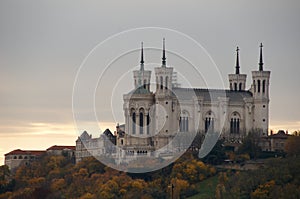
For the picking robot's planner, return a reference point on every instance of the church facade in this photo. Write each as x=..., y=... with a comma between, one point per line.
x=153, y=118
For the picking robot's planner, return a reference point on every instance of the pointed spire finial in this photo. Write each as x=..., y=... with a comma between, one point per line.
x=164, y=54
x=261, y=58
x=142, y=57
x=237, y=66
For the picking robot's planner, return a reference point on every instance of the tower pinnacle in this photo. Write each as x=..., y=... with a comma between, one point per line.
x=164, y=54
x=142, y=57
x=237, y=66
x=261, y=59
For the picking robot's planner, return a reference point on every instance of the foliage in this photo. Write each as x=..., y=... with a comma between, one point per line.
x=58, y=177
x=251, y=144
x=292, y=146
x=217, y=155
x=280, y=178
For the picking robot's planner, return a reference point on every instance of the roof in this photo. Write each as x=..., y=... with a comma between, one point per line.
x=107, y=132
x=211, y=94
x=26, y=152
x=279, y=134
x=140, y=90
x=85, y=136
x=55, y=147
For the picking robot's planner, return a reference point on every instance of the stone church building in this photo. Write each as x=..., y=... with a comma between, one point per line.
x=153, y=118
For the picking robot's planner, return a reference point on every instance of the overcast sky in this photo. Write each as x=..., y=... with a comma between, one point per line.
x=43, y=44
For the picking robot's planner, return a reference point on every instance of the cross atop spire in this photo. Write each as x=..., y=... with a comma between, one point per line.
x=142, y=57
x=237, y=66
x=261, y=58
x=164, y=54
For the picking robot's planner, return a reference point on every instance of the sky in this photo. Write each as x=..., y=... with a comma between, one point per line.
x=43, y=44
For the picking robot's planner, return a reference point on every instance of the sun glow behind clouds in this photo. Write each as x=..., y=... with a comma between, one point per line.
x=35, y=136
x=41, y=135
x=289, y=126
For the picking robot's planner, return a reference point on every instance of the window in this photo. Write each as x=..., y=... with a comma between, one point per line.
x=148, y=124
x=240, y=86
x=209, y=122
x=184, y=122
x=145, y=83
x=161, y=82
x=231, y=86
x=167, y=82
x=235, y=86
x=133, y=122
x=235, y=123
x=258, y=86
x=264, y=86
x=141, y=121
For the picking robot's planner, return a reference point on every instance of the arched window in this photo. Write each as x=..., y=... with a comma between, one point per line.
x=184, y=122
x=167, y=82
x=141, y=121
x=258, y=86
x=161, y=83
x=235, y=86
x=148, y=124
x=240, y=86
x=235, y=123
x=254, y=86
x=133, y=122
x=209, y=122
x=231, y=86
x=264, y=86
x=145, y=83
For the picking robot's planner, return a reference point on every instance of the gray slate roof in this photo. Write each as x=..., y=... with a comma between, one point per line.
x=211, y=94
x=140, y=90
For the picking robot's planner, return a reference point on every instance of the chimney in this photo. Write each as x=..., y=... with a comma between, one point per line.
x=118, y=128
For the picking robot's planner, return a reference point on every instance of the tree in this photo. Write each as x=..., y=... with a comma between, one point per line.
x=217, y=155
x=292, y=146
x=250, y=144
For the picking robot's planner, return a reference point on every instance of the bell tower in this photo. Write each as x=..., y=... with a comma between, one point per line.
x=142, y=77
x=237, y=81
x=163, y=76
x=260, y=89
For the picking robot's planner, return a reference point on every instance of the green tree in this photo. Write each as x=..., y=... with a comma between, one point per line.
x=250, y=144
x=292, y=146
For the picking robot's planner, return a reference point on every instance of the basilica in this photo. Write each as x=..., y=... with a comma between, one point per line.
x=153, y=118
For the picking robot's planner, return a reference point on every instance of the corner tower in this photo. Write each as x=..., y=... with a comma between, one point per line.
x=163, y=76
x=164, y=115
x=237, y=81
x=260, y=89
x=142, y=77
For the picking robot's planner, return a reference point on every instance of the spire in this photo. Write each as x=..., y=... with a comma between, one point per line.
x=164, y=54
x=237, y=66
x=261, y=59
x=142, y=57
